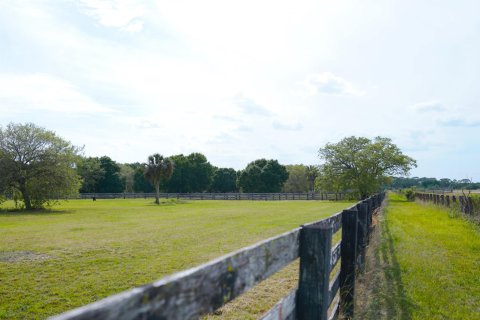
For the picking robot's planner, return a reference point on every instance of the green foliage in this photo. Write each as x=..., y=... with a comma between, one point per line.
x=38, y=164
x=297, y=179
x=91, y=172
x=361, y=164
x=409, y=194
x=110, y=181
x=156, y=169
x=224, y=180
x=127, y=177
x=263, y=176
x=140, y=184
x=433, y=183
x=193, y=173
x=312, y=173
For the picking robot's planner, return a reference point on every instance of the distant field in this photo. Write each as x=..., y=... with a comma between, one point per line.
x=82, y=250
x=426, y=266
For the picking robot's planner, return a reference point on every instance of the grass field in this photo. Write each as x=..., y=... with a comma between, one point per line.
x=426, y=265
x=82, y=251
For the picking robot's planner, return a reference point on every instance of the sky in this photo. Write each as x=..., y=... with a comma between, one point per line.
x=243, y=80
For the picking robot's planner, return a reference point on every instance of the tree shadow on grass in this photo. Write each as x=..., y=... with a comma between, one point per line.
x=12, y=212
x=168, y=202
x=383, y=295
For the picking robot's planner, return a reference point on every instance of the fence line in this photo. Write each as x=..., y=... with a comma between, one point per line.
x=466, y=204
x=221, y=196
x=197, y=291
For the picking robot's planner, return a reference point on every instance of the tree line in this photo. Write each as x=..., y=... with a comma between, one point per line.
x=432, y=183
x=36, y=166
x=190, y=173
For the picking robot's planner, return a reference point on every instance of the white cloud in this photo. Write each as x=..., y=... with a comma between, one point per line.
x=287, y=127
x=429, y=106
x=457, y=122
x=331, y=84
x=123, y=14
x=43, y=92
x=249, y=106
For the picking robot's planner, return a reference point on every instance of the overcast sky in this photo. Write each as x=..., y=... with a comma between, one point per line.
x=242, y=80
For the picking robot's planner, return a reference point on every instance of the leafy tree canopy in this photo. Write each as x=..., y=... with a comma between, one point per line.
x=263, y=176
x=433, y=183
x=362, y=165
x=224, y=180
x=140, y=184
x=297, y=179
x=193, y=173
x=91, y=171
x=37, y=164
x=110, y=182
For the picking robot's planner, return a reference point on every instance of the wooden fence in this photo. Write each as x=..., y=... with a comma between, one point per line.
x=221, y=196
x=466, y=204
x=195, y=292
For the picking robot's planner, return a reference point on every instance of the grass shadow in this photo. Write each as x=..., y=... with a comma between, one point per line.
x=381, y=292
x=14, y=212
x=398, y=305
x=168, y=202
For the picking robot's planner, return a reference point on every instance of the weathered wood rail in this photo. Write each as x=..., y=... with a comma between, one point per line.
x=466, y=204
x=195, y=292
x=221, y=196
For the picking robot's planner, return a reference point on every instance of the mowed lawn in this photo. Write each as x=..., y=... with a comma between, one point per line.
x=82, y=251
x=427, y=264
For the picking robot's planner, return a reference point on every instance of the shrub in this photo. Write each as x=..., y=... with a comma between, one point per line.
x=410, y=194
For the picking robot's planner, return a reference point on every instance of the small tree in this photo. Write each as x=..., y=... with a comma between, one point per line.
x=37, y=163
x=297, y=179
x=312, y=174
x=363, y=165
x=157, y=169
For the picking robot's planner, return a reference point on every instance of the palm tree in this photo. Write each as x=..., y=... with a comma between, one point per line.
x=312, y=174
x=157, y=169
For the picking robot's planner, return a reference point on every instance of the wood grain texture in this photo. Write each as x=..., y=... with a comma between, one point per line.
x=313, y=294
x=284, y=309
x=335, y=255
x=334, y=221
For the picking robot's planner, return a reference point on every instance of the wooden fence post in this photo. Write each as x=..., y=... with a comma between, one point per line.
x=313, y=288
x=469, y=206
x=348, y=254
x=369, y=217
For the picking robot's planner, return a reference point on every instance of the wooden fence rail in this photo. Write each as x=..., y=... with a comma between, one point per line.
x=195, y=292
x=221, y=196
x=466, y=204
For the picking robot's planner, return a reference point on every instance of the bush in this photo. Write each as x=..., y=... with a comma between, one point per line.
x=410, y=194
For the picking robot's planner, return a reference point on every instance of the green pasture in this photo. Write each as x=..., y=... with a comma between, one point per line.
x=426, y=265
x=82, y=251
